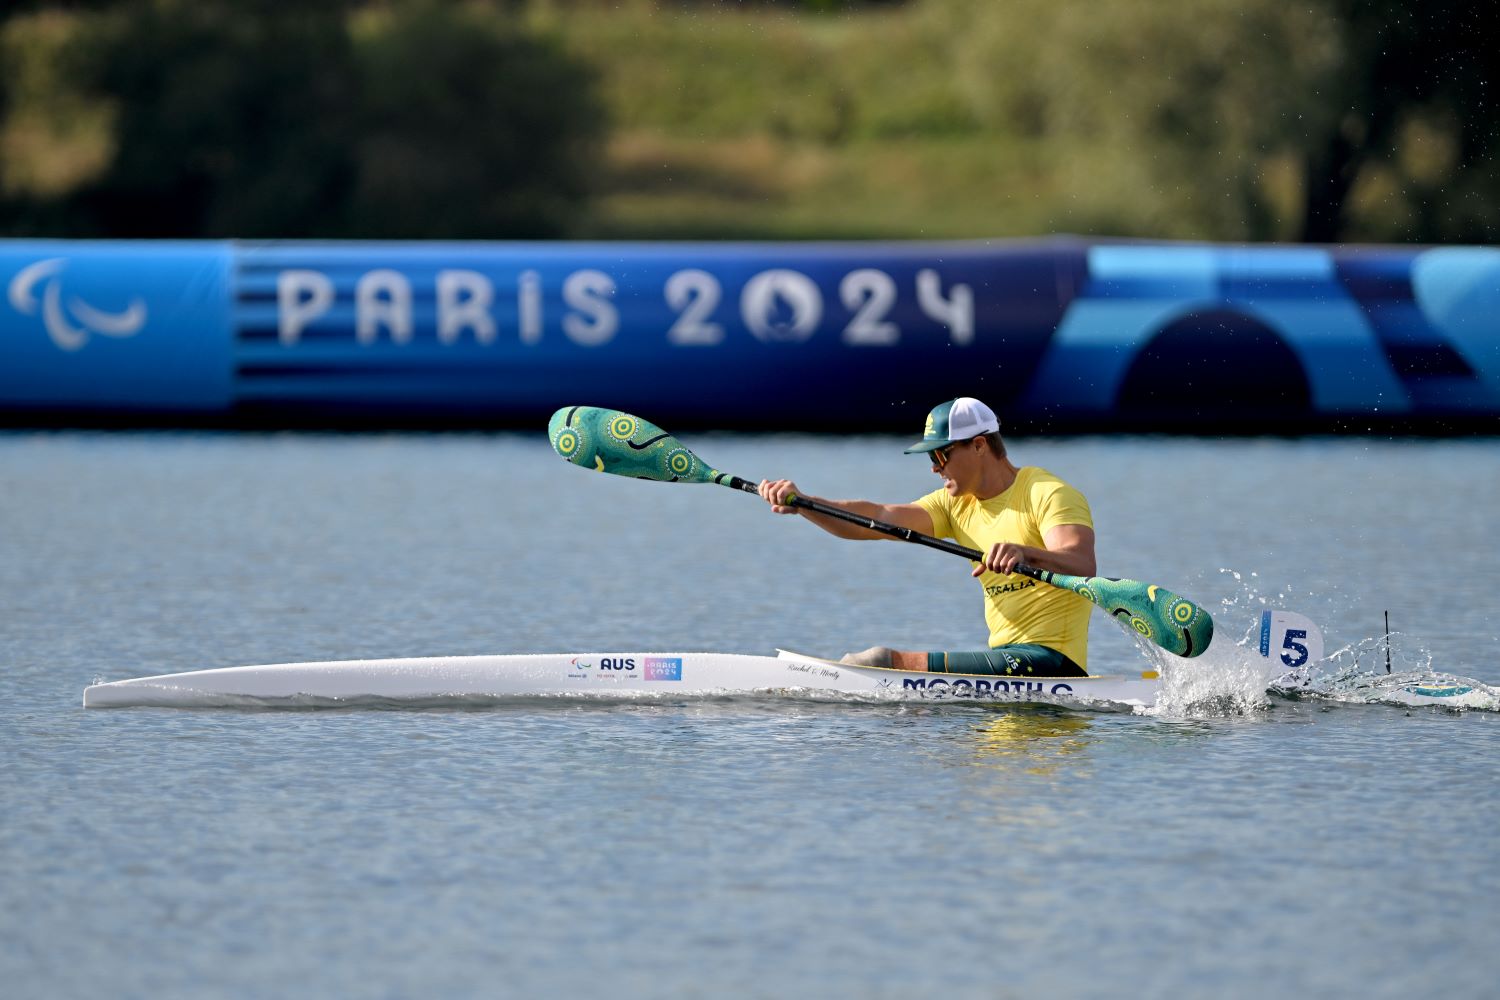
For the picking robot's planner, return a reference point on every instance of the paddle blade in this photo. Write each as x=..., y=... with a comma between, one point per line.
x=618, y=443
x=1174, y=623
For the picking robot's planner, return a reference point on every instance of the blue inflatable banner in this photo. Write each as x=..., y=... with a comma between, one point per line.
x=1062, y=334
x=711, y=334
x=100, y=326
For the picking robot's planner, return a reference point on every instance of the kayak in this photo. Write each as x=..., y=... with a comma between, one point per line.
x=606, y=676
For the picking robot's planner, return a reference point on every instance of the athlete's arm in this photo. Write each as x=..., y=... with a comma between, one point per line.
x=1070, y=550
x=904, y=515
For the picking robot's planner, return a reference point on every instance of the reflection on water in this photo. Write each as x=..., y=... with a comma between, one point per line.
x=1037, y=740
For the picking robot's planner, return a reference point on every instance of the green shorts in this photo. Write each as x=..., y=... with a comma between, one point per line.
x=1021, y=659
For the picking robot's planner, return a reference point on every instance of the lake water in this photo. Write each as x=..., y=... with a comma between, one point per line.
x=1233, y=844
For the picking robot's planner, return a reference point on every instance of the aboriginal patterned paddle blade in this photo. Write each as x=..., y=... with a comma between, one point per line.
x=618, y=443
x=1174, y=623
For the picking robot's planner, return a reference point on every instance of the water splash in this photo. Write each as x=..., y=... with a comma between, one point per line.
x=1383, y=670
x=1228, y=679
x=1232, y=679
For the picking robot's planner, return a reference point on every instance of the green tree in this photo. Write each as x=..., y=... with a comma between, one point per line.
x=324, y=118
x=233, y=117
x=1407, y=75
x=469, y=128
x=1324, y=121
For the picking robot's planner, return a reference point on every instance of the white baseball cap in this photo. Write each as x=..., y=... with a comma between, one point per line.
x=956, y=420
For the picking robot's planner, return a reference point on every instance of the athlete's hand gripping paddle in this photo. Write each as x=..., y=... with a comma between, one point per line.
x=624, y=445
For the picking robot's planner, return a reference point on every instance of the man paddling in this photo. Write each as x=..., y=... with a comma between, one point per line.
x=1012, y=514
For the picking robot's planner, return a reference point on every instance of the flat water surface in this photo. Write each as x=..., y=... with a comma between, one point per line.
x=1233, y=844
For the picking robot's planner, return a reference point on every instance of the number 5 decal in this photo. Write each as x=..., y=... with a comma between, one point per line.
x=1290, y=637
x=1290, y=646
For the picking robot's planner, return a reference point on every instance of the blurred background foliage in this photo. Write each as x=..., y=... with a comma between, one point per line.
x=1330, y=120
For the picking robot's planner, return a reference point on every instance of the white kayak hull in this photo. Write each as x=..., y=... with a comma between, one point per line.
x=615, y=676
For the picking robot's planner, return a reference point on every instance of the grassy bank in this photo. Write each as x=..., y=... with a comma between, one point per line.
x=755, y=123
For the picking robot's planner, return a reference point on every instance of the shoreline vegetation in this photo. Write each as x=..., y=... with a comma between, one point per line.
x=930, y=119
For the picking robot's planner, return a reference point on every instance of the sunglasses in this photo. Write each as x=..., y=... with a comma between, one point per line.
x=941, y=455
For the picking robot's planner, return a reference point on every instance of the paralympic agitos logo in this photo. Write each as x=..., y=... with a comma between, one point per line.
x=69, y=321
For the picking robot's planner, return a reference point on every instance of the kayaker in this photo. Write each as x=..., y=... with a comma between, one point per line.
x=1014, y=515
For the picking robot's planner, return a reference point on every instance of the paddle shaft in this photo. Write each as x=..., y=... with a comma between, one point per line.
x=893, y=530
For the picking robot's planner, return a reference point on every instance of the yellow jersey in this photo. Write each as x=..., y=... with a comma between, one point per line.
x=1018, y=608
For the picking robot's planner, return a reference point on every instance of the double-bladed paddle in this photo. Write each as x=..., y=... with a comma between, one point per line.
x=618, y=443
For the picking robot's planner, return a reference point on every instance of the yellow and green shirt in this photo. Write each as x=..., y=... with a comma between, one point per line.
x=1018, y=608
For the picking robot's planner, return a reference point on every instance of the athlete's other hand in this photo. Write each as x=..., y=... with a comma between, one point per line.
x=778, y=493
x=1003, y=557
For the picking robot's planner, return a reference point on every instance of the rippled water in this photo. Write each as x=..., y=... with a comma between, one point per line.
x=1233, y=845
